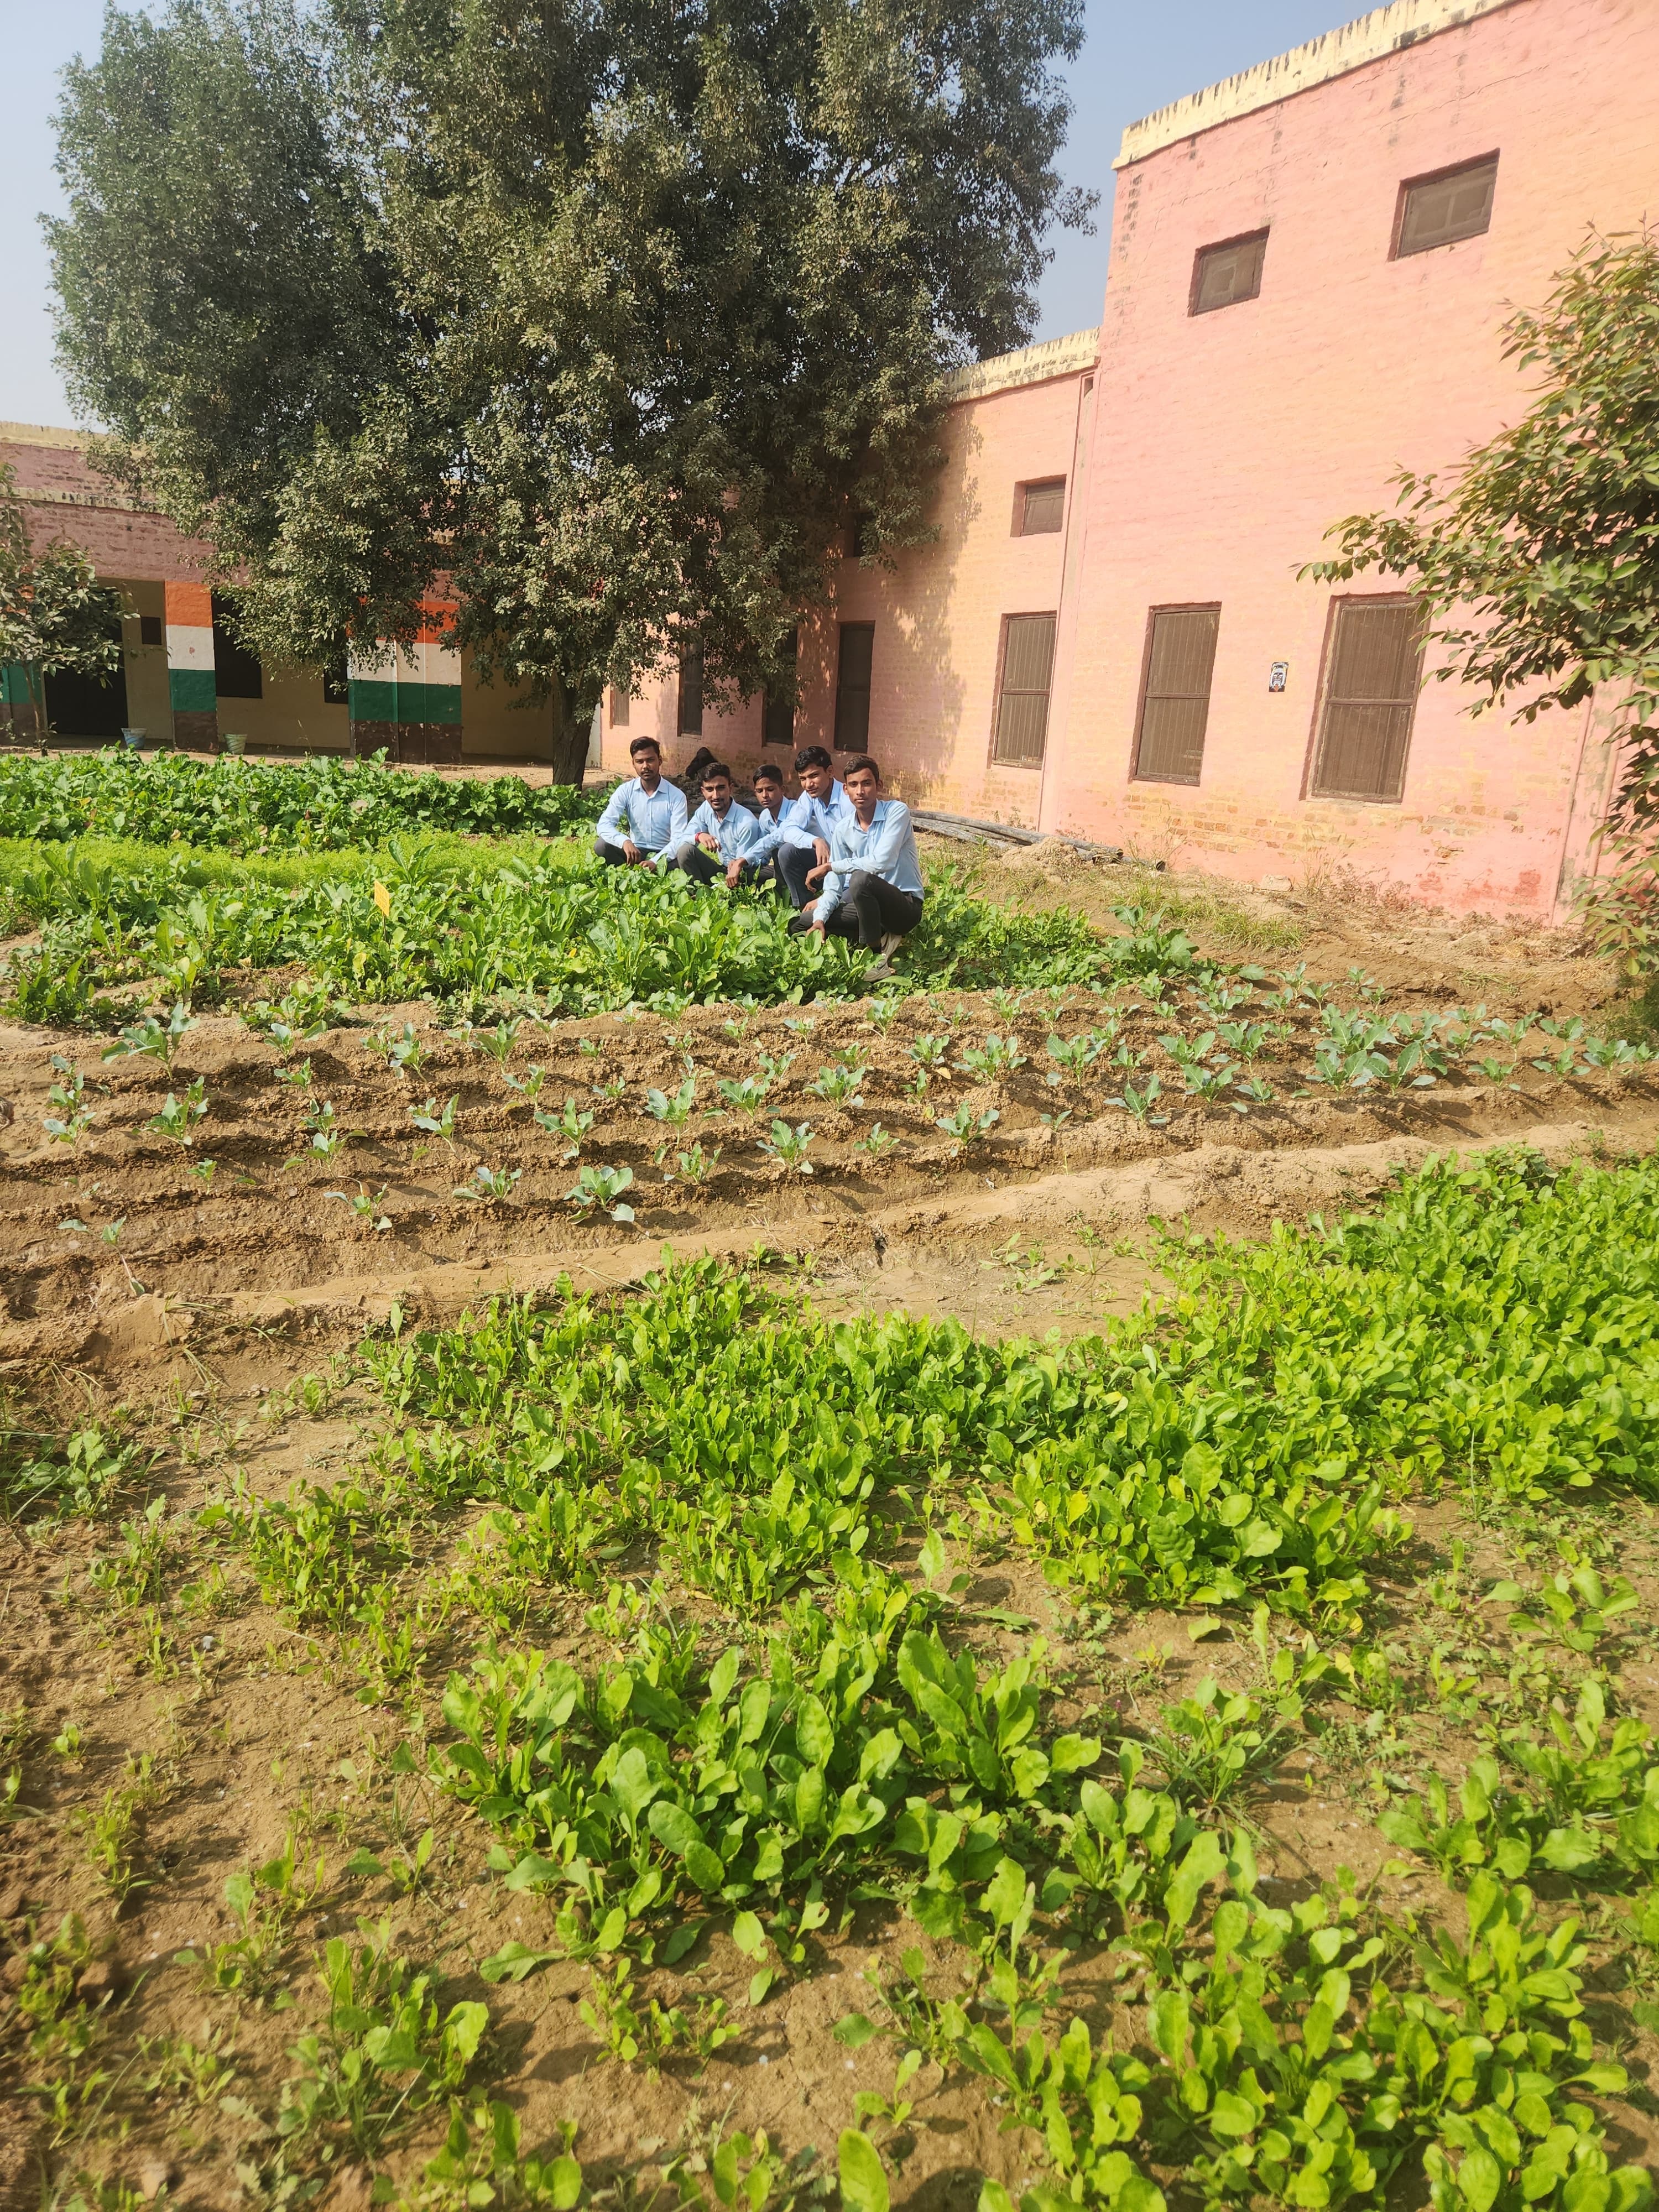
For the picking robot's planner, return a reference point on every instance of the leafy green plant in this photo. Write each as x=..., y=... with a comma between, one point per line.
x=153, y=1039
x=489, y=1185
x=600, y=1189
x=673, y=1107
x=387, y=2050
x=483, y=2152
x=179, y=1118
x=434, y=1120
x=839, y=1085
x=650, y=2036
x=365, y=1206
x=789, y=1146
x=966, y=1127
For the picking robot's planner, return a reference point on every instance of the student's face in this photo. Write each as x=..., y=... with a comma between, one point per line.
x=647, y=766
x=717, y=790
x=861, y=788
x=818, y=782
x=769, y=794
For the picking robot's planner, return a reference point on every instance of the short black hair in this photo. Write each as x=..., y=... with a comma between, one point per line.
x=644, y=745
x=714, y=768
x=767, y=772
x=863, y=761
x=812, y=756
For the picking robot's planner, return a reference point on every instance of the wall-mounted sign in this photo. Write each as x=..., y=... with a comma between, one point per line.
x=1278, y=675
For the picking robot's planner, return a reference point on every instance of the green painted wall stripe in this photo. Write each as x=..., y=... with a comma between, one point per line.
x=191, y=690
x=442, y=703
x=370, y=700
x=14, y=684
x=378, y=700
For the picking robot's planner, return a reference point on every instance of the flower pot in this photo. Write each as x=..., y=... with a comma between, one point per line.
x=234, y=742
x=134, y=741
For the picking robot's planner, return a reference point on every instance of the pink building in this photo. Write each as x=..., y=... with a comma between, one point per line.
x=1310, y=266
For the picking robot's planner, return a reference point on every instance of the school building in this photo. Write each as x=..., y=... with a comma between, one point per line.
x=1310, y=266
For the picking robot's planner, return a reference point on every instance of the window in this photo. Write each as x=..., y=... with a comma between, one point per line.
x=150, y=631
x=236, y=671
x=618, y=709
x=1175, y=694
x=1040, y=508
x=1452, y=204
x=337, y=688
x=1373, y=657
x=1028, y=664
x=854, y=658
x=777, y=710
x=689, y=723
x=1225, y=274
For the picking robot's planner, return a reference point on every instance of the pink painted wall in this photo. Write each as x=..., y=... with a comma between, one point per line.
x=937, y=621
x=1231, y=440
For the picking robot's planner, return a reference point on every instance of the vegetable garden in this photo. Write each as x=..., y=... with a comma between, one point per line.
x=534, y=1679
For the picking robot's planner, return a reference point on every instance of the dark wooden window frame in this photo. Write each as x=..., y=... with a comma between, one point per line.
x=1221, y=245
x=1021, y=491
x=1316, y=733
x=1169, y=607
x=1409, y=185
x=1020, y=614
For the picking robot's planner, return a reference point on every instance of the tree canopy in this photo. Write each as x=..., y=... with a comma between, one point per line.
x=614, y=315
x=1538, y=557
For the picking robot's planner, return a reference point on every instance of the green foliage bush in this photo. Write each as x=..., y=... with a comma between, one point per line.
x=321, y=804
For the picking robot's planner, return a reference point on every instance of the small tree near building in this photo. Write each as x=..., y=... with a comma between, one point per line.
x=56, y=618
x=1538, y=558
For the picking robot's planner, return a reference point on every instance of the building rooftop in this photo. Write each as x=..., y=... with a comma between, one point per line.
x=1368, y=39
x=1032, y=364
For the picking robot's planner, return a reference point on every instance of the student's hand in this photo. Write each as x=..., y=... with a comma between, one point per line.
x=818, y=875
x=631, y=853
x=817, y=929
x=821, y=854
x=709, y=844
x=734, y=874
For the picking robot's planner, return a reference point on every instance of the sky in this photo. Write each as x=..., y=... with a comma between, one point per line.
x=1136, y=58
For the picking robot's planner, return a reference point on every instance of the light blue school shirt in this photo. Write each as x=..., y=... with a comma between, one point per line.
x=887, y=848
x=802, y=819
x=654, y=822
x=735, y=835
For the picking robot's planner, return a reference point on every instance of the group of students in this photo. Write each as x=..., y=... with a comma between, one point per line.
x=844, y=856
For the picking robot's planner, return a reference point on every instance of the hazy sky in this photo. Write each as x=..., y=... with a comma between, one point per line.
x=1138, y=57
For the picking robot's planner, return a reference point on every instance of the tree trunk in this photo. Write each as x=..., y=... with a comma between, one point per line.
x=573, y=721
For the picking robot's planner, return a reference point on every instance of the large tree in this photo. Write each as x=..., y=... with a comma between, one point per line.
x=614, y=315
x=1538, y=557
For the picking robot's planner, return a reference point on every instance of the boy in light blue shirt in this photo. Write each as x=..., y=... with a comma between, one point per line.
x=645, y=818
x=800, y=842
x=873, y=890
x=719, y=834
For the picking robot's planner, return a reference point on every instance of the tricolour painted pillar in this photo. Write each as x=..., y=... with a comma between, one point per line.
x=191, y=687
x=19, y=716
x=406, y=699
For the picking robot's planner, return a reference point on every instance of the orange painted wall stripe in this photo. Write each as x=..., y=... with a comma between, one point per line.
x=190, y=605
